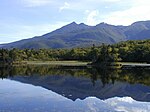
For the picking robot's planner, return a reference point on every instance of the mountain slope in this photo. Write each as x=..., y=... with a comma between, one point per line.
x=81, y=35
x=135, y=31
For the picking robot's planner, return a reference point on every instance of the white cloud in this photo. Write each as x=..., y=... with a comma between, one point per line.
x=65, y=6
x=87, y=11
x=115, y=104
x=92, y=17
x=139, y=10
x=35, y=3
x=128, y=104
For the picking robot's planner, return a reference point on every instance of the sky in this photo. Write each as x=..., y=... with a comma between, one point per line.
x=22, y=19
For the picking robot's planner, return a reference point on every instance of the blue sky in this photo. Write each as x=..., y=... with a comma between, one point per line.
x=21, y=19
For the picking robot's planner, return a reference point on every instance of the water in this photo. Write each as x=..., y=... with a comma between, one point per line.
x=73, y=89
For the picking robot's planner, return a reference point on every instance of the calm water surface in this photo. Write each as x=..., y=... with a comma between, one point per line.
x=73, y=89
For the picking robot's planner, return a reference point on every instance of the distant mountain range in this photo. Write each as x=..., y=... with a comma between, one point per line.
x=81, y=35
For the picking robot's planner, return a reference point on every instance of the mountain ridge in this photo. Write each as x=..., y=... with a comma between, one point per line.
x=81, y=35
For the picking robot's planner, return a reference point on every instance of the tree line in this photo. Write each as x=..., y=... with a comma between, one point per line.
x=129, y=51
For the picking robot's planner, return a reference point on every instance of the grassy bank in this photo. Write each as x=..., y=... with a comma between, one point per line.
x=81, y=63
x=63, y=63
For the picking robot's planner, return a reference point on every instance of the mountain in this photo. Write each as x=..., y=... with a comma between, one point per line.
x=81, y=35
x=138, y=31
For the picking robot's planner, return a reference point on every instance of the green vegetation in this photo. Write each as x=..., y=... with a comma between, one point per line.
x=129, y=51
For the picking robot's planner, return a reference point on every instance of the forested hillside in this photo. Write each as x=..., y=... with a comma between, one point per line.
x=129, y=51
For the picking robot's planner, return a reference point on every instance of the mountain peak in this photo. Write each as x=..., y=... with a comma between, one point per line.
x=73, y=23
x=74, y=27
x=103, y=24
x=82, y=24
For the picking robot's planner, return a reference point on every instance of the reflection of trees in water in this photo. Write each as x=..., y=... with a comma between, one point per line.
x=136, y=76
x=42, y=70
x=5, y=72
x=132, y=76
x=106, y=75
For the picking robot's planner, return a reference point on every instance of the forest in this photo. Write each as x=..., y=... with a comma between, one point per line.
x=129, y=51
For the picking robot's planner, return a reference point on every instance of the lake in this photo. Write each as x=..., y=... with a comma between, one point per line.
x=43, y=88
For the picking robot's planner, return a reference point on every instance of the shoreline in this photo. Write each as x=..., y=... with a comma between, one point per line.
x=59, y=63
x=126, y=65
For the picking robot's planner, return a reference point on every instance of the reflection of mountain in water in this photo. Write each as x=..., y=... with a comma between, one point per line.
x=82, y=83
x=73, y=88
